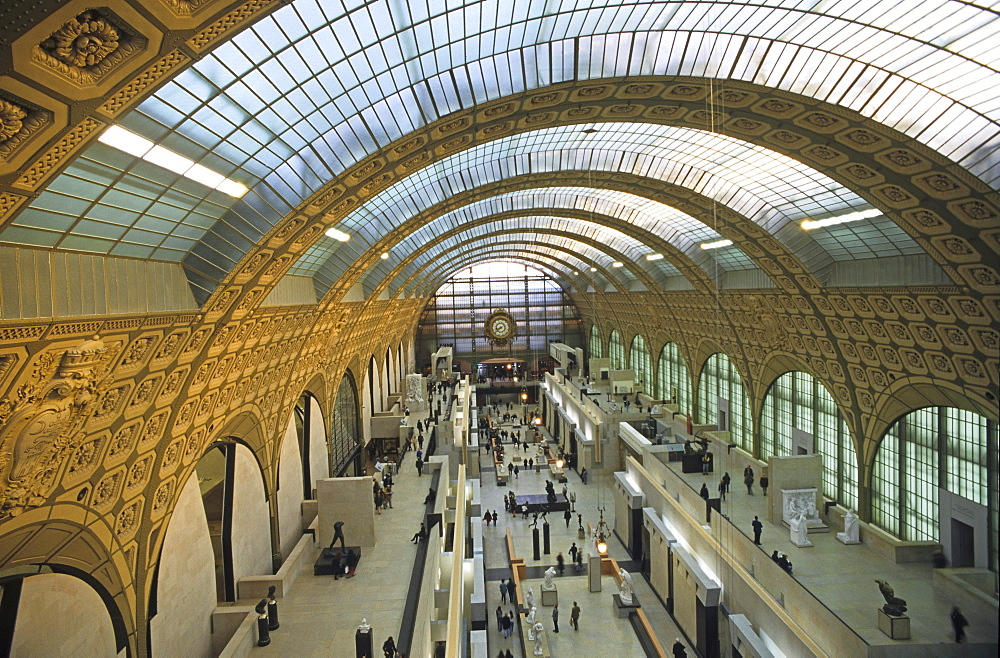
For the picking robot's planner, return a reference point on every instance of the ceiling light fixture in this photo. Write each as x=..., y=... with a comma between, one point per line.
x=140, y=147
x=718, y=244
x=617, y=263
x=338, y=235
x=385, y=255
x=593, y=269
x=654, y=256
x=811, y=224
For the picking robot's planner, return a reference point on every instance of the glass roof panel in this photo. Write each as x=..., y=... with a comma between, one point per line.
x=312, y=88
x=771, y=189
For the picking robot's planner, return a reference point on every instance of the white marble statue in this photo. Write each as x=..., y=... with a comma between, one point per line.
x=655, y=410
x=550, y=573
x=800, y=502
x=529, y=599
x=625, y=587
x=851, y=533
x=799, y=531
x=529, y=621
x=539, y=629
x=365, y=626
x=415, y=392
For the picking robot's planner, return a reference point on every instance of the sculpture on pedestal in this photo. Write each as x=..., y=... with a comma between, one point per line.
x=625, y=587
x=550, y=573
x=851, y=534
x=338, y=533
x=530, y=620
x=894, y=605
x=798, y=531
x=539, y=629
x=529, y=599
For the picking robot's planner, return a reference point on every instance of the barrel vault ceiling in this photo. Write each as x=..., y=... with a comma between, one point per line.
x=423, y=130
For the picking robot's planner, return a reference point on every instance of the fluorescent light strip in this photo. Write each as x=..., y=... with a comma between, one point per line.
x=654, y=256
x=811, y=224
x=718, y=244
x=338, y=235
x=140, y=147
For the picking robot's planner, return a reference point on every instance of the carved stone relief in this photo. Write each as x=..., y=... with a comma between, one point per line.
x=37, y=426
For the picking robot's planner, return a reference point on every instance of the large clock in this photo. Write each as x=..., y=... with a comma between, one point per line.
x=500, y=327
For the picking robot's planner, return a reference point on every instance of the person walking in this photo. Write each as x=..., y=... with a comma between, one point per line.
x=506, y=626
x=726, y=480
x=763, y=483
x=958, y=622
x=555, y=618
x=748, y=480
x=496, y=517
x=583, y=475
x=499, y=619
x=512, y=591
x=758, y=527
x=572, y=552
x=574, y=617
x=420, y=466
x=679, y=650
x=704, y=491
x=389, y=648
x=568, y=516
x=488, y=518
x=722, y=490
x=561, y=562
x=503, y=593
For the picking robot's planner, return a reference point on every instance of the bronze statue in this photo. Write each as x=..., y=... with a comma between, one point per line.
x=894, y=605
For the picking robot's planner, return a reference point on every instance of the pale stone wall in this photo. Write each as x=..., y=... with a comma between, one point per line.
x=185, y=591
x=60, y=615
x=251, y=537
x=319, y=460
x=289, y=490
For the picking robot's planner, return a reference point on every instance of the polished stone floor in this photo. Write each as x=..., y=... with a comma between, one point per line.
x=842, y=576
x=320, y=615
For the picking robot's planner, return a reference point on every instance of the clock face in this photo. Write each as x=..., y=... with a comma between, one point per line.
x=500, y=327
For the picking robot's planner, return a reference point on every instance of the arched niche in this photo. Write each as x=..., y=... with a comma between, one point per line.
x=58, y=615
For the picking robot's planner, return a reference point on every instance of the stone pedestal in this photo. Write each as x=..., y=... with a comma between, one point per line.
x=844, y=538
x=898, y=628
x=550, y=597
x=364, y=644
x=622, y=610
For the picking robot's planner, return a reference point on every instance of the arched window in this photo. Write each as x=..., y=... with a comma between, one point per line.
x=638, y=361
x=345, y=428
x=798, y=407
x=719, y=388
x=672, y=379
x=616, y=351
x=596, y=344
x=930, y=449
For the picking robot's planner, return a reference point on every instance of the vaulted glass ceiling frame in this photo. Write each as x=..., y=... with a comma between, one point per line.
x=435, y=244
x=611, y=253
x=570, y=272
x=774, y=191
x=310, y=90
